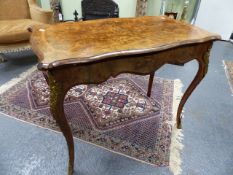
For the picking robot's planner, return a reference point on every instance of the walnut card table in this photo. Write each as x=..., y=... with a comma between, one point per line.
x=92, y=51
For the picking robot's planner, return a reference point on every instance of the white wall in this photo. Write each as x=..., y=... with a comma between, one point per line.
x=153, y=7
x=68, y=8
x=216, y=16
x=45, y=4
x=127, y=7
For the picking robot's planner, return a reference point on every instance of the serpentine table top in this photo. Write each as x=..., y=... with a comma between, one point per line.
x=90, y=52
x=68, y=43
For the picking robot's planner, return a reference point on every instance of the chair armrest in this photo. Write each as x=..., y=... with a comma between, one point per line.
x=39, y=14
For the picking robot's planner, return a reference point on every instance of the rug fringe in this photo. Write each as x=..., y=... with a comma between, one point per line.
x=14, y=81
x=227, y=75
x=177, y=135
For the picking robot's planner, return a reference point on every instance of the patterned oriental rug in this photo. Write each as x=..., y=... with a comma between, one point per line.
x=229, y=72
x=115, y=115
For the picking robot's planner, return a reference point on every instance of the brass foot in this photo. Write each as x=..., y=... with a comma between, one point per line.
x=179, y=125
x=2, y=59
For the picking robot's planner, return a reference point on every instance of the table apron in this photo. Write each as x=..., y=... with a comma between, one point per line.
x=144, y=64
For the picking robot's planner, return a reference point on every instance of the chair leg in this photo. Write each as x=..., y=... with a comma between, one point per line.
x=2, y=58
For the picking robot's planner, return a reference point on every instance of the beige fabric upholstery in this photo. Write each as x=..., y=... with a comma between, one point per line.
x=14, y=9
x=15, y=17
x=39, y=14
x=13, y=31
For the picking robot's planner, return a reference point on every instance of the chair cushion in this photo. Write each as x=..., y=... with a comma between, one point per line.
x=13, y=31
x=14, y=9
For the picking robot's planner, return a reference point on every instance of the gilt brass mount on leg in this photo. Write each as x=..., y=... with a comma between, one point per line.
x=57, y=96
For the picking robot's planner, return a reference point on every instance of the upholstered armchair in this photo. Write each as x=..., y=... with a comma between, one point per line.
x=15, y=18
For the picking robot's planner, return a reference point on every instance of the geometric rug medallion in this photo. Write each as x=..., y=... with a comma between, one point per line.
x=116, y=115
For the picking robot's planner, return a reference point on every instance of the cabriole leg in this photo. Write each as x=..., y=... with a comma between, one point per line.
x=57, y=96
x=202, y=71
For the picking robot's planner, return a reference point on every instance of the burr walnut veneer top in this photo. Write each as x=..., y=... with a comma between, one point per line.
x=88, y=41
